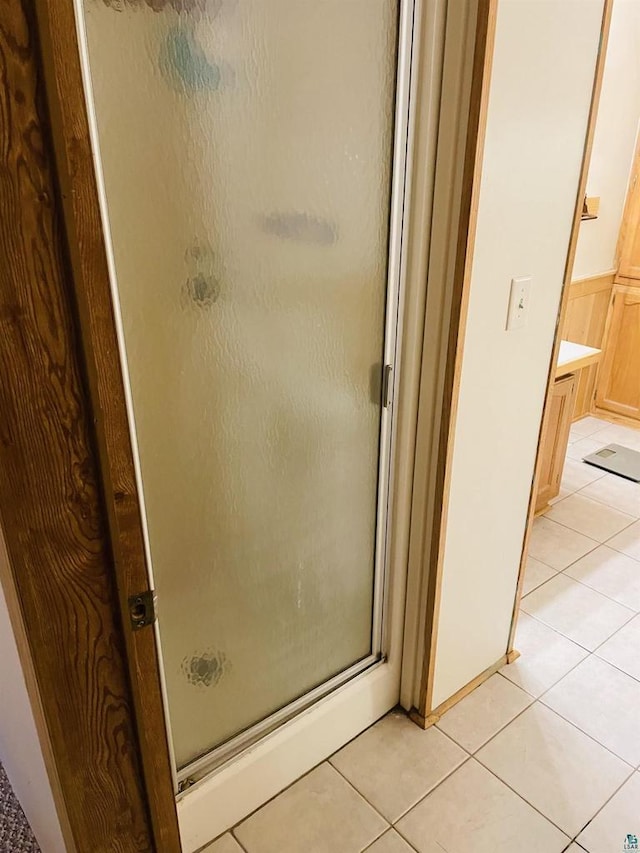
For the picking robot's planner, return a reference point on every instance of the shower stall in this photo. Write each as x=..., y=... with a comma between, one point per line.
x=251, y=160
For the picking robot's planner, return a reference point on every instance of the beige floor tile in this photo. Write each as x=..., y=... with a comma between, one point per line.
x=623, y=649
x=620, y=817
x=577, y=475
x=613, y=574
x=557, y=546
x=536, y=573
x=583, y=447
x=617, y=434
x=591, y=518
x=575, y=848
x=628, y=542
x=484, y=712
x=562, y=494
x=320, y=813
x=580, y=613
x=390, y=842
x=225, y=844
x=394, y=763
x=545, y=656
x=557, y=768
x=604, y=703
x=616, y=492
x=587, y=426
x=474, y=811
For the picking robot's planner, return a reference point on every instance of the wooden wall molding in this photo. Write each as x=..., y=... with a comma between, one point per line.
x=460, y=290
x=93, y=298
x=52, y=499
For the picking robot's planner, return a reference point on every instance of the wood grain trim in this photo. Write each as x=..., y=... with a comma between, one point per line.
x=628, y=289
x=577, y=364
x=614, y=418
x=51, y=504
x=33, y=691
x=593, y=284
x=479, y=97
x=92, y=292
x=630, y=212
x=564, y=298
x=435, y=716
x=626, y=280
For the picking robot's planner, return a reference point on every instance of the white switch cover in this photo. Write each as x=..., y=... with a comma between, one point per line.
x=519, y=300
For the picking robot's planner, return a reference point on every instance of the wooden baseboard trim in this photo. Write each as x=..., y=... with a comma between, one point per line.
x=418, y=719
x=613, y=418
x=437, y=713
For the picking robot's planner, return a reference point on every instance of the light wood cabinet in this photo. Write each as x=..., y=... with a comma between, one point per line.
x=619, y=379
x=555, y=439
x=628, y=251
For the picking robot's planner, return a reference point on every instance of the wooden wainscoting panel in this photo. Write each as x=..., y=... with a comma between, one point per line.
x=587, y=308
x=619, y=381
x=585, y=323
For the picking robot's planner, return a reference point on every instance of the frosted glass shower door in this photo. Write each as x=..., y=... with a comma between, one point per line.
x=246, y=148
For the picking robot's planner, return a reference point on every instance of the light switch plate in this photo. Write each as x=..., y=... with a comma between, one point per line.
x=519, y=299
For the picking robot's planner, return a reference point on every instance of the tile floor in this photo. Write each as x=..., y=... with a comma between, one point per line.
x=543, y=757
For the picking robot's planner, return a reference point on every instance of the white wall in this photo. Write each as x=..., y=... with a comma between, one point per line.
x=20, y=750
x=614, y=141
x=541, y=88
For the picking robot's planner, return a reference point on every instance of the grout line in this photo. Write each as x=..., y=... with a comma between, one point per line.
x=520, y=796
x=422, y=797
x=545, y=816
x=606, y=503
x=580, y=533
x=370, y=804
x=575, y=725
x=617, y=631
x=395, y=829
x=564, y=636
x=603, y=806
x=467, y=759
x=613, y=665
x=577, y=580
x=542, y=561
x=237, y=840
x=604, y=595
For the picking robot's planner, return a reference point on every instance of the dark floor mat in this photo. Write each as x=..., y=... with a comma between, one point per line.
x=15, y=832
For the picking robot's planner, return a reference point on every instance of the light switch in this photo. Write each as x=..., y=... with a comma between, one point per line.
x=519, y=299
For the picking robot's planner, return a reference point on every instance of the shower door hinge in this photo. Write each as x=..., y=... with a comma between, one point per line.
x=387, y=386
x=142, y=609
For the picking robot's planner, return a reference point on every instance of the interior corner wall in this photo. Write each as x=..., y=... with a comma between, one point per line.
x=20, y=750
x=540, y=94
x=614, y=142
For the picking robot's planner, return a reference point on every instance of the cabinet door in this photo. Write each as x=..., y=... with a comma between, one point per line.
x=629, y=240
x=555, y=439
x=619, y=378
